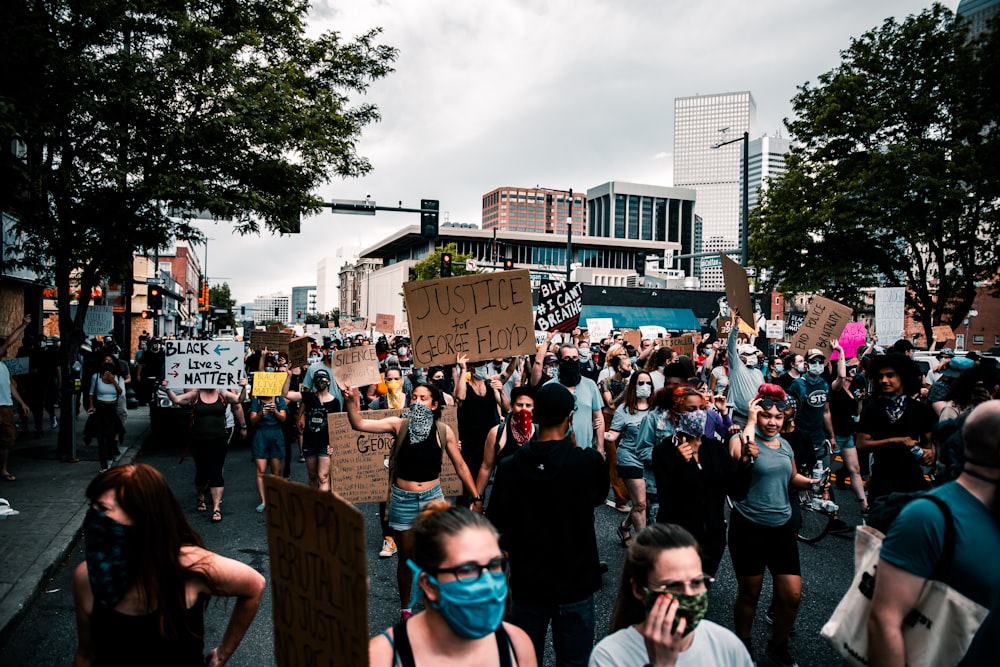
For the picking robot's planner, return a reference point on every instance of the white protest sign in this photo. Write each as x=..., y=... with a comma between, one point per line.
x=599, y=327
x=99, y=321
x=889, y=302
x=203, y=364
x=17, y=365
x=775, y=329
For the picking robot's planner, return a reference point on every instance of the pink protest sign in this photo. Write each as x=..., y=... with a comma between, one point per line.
x=853, y=337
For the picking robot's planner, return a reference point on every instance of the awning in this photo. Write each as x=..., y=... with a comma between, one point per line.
x=625, y=317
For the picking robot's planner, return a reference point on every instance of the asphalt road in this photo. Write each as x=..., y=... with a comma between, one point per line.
x=47, y=633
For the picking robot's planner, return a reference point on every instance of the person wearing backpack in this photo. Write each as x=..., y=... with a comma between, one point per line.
x=422, y=440
x=312, y=424
x=914, y=547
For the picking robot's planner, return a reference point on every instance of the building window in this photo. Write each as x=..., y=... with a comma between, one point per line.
x=977, y=339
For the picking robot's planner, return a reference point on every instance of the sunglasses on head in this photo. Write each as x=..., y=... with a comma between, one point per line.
x=768, y=403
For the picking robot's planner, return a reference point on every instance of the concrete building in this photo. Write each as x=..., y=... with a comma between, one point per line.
x=539, y=210
x=303, y=301
x=767, y=160
x=700, y=123
x=353, y=289
x=273, y=307
x=661, y=215
x=979, y=13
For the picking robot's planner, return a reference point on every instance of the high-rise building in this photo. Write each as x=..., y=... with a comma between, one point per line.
x=767, y=160
x=701, y=123
x=275, y=307
x=539, y=210
x=979, y=13
x=303, y=301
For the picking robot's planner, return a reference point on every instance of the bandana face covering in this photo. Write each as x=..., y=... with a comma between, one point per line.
x=895, y=406
x=109, y=550
x=421, y=422
x=521, y=426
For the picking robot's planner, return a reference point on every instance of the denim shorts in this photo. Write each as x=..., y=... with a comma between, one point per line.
x=312, y=449
x=404, y=506
x=845, y=442
x=268, y=443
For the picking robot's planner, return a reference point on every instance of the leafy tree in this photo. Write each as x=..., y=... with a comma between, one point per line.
x=127, y=109
x=315, y=318
x=430, y=267
x=220, y=298
x=893, y=176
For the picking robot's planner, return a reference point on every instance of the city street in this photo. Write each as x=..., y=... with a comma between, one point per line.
x=46, y=634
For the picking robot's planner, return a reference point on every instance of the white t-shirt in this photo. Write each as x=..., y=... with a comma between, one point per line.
x=713, y=646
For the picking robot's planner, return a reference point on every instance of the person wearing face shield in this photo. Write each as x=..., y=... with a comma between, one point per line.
x=812, y=394
x=659, y=616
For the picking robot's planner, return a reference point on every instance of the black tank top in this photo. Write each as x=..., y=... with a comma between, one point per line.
x=421, y=461
x=404, y=652
x=208, y=420
x=121, y=639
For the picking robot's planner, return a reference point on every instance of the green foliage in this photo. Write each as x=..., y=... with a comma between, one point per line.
x=893, y=178
x=220, y=297
x=127, y=109
x=430, y=267
x=315, y=318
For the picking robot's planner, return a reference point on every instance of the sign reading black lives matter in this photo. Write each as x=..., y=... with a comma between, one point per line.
x=203, y=364
x=486, y=316
x=559, y=305
x=319, y=576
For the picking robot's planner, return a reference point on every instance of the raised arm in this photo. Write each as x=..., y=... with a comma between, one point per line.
x=461, y=361
x=352, y=401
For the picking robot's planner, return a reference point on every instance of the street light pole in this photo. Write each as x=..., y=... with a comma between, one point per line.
x=569, y=237
x=745, y=217
x=190, y=294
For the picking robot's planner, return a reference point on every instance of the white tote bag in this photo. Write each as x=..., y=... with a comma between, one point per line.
x=937, y=632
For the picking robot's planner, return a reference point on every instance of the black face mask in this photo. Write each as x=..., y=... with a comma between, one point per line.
x=569, y=372
x=108, y=367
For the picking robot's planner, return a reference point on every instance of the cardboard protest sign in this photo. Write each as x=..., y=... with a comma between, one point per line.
x=724, y=326
x=385, y=322
x=319, y=576
x=353, y=325
x=854, y=337
x=358, y=460
x=203, y=364
x=633, y=337
x=559, y=305
x=683, y=344
x=942, y=332
x=17, y=365
x=824, y=321
x=889, y=310
x=793, y=322
x=298, y=351
x=738, y=293
x=356, y=366
x=486, y=316
x=273, y=328
x=599, y=327
x=268, y=384
x=99, y=320
x=275, y=341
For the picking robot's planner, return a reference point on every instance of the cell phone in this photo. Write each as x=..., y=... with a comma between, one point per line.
x=649, y=599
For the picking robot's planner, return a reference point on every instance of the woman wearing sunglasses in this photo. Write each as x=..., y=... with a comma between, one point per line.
x=462, y=574
x=632, y=453
x=662, y=602
x=761, y=529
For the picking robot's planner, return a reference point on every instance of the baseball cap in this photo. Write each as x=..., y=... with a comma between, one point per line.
x=747, y=349
x=553, y=403
x=813, y=353
x=946, y=352
x=957, y=366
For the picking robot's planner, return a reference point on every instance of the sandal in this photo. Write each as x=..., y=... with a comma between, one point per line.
x=216, y=516
x=7, y=477
x=624, y=534
x=202, y=507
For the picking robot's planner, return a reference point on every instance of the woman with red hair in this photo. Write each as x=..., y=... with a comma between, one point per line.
x=761, y=530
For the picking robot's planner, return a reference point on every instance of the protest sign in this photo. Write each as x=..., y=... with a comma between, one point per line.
x=775, y=329
x=486, y=316
x=793, y=322
x=298, y=351
x=203, y=364
x=385, y=322
x=889, y=305
x=99, y=321
x=738, y=293
x=268, y=384
x=319, y=576
x=824, y=321
x=724, y=326
x=559, y=305
x=633, y=337
x=852, y=338
x=942, y=333
x=353, y=325
x=599, y=328
x=682, y=344
x=356, y=366
x=273, y=328
x=17, y=365
x=274, y=341
x=358, y=460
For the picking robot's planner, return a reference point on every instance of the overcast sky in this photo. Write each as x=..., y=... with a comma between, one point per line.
x=557, y=93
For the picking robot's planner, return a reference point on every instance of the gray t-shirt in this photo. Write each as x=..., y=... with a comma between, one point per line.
x=588, y=400
x=713, y=646
x=628, y=443
x=767, y=502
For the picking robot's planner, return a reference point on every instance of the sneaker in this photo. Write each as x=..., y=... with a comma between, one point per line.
x=302, y=458
x=260, y=508
x=388, y=548
x=779, y=655
x=55, y=423
x=103, y=470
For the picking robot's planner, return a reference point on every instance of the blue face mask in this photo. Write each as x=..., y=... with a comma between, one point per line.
x=472, y=609
x=481, y=372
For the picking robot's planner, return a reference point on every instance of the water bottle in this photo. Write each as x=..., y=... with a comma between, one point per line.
x=817, y=476
x=917, y=451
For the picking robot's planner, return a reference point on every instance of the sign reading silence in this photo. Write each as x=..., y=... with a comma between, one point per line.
x=486, y=316
x=203, y=364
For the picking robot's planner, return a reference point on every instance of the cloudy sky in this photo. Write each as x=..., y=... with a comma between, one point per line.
x=557, y=93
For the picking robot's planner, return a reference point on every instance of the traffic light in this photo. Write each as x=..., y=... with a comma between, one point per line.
x=446, y=265
x=429, y=219
x=640, y=263
x=155, y=297
x=203, y=301
x=243, y=310
x=146, y=315
x=299, y=314
x=508, y=264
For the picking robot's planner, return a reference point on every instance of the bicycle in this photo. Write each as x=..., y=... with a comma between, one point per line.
x=818, y=511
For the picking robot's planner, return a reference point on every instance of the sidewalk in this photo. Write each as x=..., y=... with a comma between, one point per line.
x=49, y=495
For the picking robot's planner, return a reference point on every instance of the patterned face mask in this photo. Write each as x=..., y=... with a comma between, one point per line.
x=521, y=426
x=421, y=422
x=110, y=551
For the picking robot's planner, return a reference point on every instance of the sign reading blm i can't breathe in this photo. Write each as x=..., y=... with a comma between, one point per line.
x=203, y=364
x=559, y=305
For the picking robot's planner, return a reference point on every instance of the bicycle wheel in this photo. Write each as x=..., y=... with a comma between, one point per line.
x=815, y=523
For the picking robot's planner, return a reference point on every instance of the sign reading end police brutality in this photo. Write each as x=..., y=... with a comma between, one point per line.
x=824, y=321
x=203, y=364
x=485, y=316
x=559, y=305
